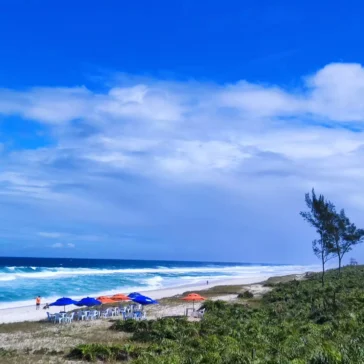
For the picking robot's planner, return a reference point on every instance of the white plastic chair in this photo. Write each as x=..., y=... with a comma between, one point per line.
x=105, y=313
x=199, y=313
x=81, y=315
x=69, y=318
x=51, y=317
x=58, y=318
x=113, y=312
x=93, y=315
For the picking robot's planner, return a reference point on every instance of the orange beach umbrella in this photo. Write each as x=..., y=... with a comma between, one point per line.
x=193, y=297
x=105, y=299
x=120, y=297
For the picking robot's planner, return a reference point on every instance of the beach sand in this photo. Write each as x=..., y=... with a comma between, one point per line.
x=29, y=313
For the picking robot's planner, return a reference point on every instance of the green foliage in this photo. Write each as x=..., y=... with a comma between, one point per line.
x=6, y=353
x=297, y=322
x=93, y=352
x=320, y=216
x=337, y=234
x=344, y=235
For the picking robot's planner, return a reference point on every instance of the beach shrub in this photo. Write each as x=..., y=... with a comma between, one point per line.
x=6, y=353
x=93, y=352
x=246, y=295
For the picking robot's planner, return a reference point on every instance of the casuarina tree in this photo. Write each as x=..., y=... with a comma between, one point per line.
x=320, y=215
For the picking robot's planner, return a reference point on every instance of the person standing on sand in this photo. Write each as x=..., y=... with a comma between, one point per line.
x=37, y=303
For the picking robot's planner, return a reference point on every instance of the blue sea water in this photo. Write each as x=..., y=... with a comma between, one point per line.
x=22, y=279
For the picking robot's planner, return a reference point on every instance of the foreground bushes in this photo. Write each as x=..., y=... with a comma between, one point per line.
x=93, y=352
x=297, y=322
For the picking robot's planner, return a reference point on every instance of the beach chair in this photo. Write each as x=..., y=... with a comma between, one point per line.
x=198, y=314
x=93, y=315
x=138, y=315
x=128, y=315
x=113, y=312
x=50, y=317
x=69, y=318
x=105, y=313
x=81, y=315
x=58, y=318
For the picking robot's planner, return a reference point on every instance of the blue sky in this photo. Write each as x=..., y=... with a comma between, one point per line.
x=169, y=130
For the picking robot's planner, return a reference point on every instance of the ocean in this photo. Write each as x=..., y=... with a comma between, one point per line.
x=22, y=279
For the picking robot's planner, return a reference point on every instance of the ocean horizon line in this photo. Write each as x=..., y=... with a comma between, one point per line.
x=153, y=260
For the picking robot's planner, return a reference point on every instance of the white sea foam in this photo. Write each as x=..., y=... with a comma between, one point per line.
x=154, y=282
x=7, y=277
x=42, y=272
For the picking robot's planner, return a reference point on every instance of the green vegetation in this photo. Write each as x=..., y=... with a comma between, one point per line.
x=297, y=322
x=337, y=235
x=93, y=352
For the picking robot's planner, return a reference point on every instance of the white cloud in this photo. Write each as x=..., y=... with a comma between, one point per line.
x=70, y=245
x=215, y=129
x=247, y=139
x=334, y=92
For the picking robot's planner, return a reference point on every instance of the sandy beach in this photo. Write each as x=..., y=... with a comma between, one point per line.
x=29, y=313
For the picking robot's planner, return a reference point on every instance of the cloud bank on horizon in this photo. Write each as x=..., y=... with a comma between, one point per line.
x=161, y=169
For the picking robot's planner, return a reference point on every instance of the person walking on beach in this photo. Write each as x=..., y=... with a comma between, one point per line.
x=37, y=303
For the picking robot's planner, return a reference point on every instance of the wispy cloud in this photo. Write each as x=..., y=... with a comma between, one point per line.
x=57, y=245
x=49, y=235
x=62, y=245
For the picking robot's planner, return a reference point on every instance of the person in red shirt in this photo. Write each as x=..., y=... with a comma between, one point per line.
x=37, y=303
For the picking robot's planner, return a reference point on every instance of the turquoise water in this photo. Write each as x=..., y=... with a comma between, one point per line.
x=22, y=279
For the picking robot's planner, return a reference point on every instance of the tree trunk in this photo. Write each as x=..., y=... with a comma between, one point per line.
x=322, y=259
x=323, y=270
x=340, y=258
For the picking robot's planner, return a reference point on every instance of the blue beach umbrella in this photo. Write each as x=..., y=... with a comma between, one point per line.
x=64, y=301
x=144, y=300
x=133, y=295
x=88, y=301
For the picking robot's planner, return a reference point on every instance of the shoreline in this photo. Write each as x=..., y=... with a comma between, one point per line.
x=29, y=313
